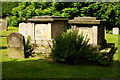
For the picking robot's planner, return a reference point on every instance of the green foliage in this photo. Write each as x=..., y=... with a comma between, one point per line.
x=104, y=58
x=0, y=9
x=26, y=10
x=7, y=7
x=77, y=50
x=22, y=19
x=71, y=12
x=13, y=21
x=56, y=13
x=118, y=22
x=106, y=10
x=48, y=11
x=28, y=47
x=30, y=11
x=38, y=12
x=109, y=31
x=74, y=50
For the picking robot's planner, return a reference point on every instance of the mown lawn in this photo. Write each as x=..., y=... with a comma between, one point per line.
x=113, y=38
x=39, y=68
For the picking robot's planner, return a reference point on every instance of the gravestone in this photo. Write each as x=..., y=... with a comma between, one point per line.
x=115, y=30
x=3, y=25
x=91, y=27
x=16, y=43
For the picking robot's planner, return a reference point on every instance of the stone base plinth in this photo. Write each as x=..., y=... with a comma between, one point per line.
x=16, y=53
x=43, y=46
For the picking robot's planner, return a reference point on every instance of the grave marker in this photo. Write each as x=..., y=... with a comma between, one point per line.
x=116, y=30
x=16, y=43
x=3, y=25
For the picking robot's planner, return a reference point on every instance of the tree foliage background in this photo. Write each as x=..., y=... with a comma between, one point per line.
x=7, y=7
x=106, y=10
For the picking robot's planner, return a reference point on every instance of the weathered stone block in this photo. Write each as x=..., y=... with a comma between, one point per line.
x=3, y=25
x=42, y=31
x=115, y=30
x=27, y=29
x=23, y=29
x=16, y=43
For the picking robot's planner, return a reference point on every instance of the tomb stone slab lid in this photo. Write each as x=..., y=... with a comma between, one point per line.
x=46, y=18
x=86, y=20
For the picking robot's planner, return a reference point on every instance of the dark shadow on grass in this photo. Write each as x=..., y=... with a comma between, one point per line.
x=49, y=69
x=3, y=36
x=59, y=79
x=3, y=47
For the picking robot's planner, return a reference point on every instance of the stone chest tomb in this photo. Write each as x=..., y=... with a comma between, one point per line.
x=90, y=26
x=42, y=30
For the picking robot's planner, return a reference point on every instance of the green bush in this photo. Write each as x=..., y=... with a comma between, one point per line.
x=104, y=58
x=13, y=21
x=71, y=48
x=28, y=47
x=7, y=7
x=107, y=31
x=110, y=32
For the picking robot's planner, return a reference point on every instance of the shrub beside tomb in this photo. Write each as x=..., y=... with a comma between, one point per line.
x=13, y=21
x=71, y=48
x=28, y=48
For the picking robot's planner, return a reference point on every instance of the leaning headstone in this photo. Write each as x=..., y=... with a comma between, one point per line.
x=16, y=43
x=3, y=25
x=115, y=30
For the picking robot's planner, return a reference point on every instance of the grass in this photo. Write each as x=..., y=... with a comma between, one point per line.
x=113, y=38
x=39, y=68
x=45, y=69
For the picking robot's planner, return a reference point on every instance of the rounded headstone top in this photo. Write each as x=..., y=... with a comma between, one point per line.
x=14, y=34
x=15, y=40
